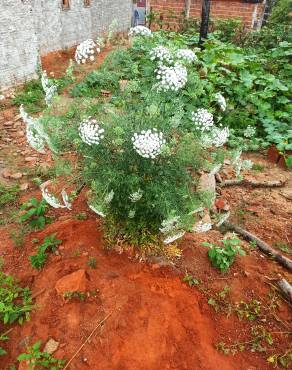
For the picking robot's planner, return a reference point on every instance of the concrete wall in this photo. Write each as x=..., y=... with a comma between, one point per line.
x=30, y=27
x=18, y=42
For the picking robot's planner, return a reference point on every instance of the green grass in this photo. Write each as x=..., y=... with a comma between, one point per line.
x=8, y=195
x=31, y=96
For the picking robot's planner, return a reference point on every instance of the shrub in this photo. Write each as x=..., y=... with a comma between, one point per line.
x=141, y=152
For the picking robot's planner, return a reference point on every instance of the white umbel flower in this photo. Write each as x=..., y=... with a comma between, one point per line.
x=171, y=78
x=249, y=132
x=140, y=31
x=148, y=144
x=219, y=136
x=136, y=196
x=90, y=131
x=202, y=119
x=186, y=55
x=221, y=101
x=86, y=51
x=49, y=89
x=161, y=54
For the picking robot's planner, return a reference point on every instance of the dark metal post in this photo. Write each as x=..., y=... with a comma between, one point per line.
x=204, y=21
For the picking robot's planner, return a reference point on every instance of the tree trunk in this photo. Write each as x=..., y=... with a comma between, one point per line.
x=204, y=21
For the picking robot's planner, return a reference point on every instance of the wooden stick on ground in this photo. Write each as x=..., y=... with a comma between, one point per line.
x=286, y=288
x=87, y=339
x=284, y=261
x=254, y=184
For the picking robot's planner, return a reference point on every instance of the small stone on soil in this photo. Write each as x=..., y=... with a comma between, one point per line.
x=51, y=346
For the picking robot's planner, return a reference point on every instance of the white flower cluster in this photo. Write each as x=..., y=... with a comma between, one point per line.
x=217, y=137
x=162, y=54
x=35, y=140
x=221, y=101
x=148, y=144
x=203, y=119
x=49, y=89
x=186, y=55
x=171, y=228
x=171, y=78
x=136, y=196
x=249, y=132
x=86, y=51
x=52, y=200
x=90, y=131
x=140, y=31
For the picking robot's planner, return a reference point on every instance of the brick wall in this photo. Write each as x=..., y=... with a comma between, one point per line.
x=250, y=14
x=29, y=28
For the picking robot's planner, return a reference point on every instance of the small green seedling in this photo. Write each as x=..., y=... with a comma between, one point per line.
x=71, y=295
x=35, y=213
x=81, y=216
x=36, y=359
x=253, y=244
x=50, y=244
x=223, y=256
x=190, y=280
x=249, y=311
x=258, y=167
x=92, y=263
x=15, y=302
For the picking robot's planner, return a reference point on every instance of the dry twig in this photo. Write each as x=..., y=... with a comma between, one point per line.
x=254, y=184
x=284, y=261
x=87, y=339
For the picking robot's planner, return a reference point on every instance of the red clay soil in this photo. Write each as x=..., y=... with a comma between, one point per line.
x=156, y=322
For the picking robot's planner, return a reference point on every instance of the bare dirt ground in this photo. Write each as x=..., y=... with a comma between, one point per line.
x=153, y=319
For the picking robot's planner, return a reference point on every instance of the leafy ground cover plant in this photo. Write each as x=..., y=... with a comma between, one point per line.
x=222, y=256
x=15, y=302
x=34, y=213
x=31, y=96
x=37, y=359
x=49, y=245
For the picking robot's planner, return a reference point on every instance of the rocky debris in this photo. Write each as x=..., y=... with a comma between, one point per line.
x=74, y=282
x=8, y=174
x=207, y=182
x=29, y=159
x=16, y=176
x=8, y=124
x=287, y=193
x=51, y=346
x=221, y=204
x=205, y=224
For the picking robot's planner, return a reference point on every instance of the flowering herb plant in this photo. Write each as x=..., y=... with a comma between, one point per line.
x=140, y=153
